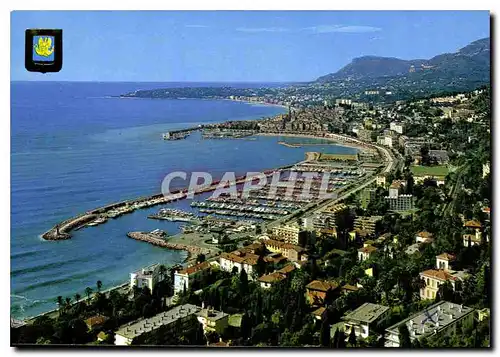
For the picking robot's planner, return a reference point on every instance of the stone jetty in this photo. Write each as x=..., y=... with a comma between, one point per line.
x=161, y=242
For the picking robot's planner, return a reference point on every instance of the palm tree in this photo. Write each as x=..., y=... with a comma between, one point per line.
x=59, y=301
x=77, y=297
x=67, y=304
x=162, y=270
x=88, y=292
x=99, y=285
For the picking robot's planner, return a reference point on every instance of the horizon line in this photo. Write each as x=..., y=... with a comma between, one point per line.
x=146, y=81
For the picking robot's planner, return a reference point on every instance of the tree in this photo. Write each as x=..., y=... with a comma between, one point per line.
x=59, y=301
x=99, y=285
x=88, y=292
x=200, y=258
x=335, y=340
x=445, y=292
x=410, y=182
x=67, y=303
x=325, y=334
x=245, y=326
x=404, y=336
x=243, y=283
x=352, y=338
x=162, y=270
x=341, y=340
x=424, y=153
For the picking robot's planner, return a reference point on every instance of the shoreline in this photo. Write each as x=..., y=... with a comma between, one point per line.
x=224, y=99
x=255, y=102
x=348, y=141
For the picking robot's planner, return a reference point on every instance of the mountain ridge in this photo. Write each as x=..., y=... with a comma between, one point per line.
x=473, y=57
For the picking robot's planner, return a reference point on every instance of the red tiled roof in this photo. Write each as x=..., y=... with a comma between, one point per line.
x=321, y=285
x=424, y=234
x=349, y=287
x=472, y=224
x=242, y=258
x=281, y=245
x=270, y=259
x=438, y=274
x=446, y=256
x=287, y=269
x=319, y=311
x=367, y=249
x=96, y=320
x=195, y=268
x=272, y=278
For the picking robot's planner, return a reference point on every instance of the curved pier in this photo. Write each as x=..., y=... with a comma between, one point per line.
x=62, y=230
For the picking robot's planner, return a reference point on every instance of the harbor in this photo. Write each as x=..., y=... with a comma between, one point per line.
x=62, y=230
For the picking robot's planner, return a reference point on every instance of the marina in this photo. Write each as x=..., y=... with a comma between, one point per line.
x=173, y=215
x=61, y=231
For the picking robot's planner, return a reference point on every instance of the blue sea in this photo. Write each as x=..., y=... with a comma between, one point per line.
x=74, y=147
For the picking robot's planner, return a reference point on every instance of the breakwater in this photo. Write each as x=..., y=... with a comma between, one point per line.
x=160, y=242
x=62, y=230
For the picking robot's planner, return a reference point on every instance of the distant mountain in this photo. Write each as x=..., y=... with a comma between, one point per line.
x=469, y=64
x=372, y=67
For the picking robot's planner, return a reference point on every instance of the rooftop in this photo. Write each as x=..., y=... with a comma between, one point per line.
x=412, y=249
x=367, y=312
x=335, y=208
x=287, y=269
x=282, y=245
x=272, y=278
x=135, y=329
x=472, y=224
x=438, y=274
x=367, y=249
x=319, y=311
x=433, y=319
x=321, y=285
x=194, y=269
x=96, y=320
x=212, y=315
x=368, y=219
x=446, y=256
x=241, y=257
x=424, y=234
x=349, y=287
x=397, y=184
x=147, y=271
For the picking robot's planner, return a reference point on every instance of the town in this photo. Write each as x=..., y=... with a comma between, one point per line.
x=400, y=258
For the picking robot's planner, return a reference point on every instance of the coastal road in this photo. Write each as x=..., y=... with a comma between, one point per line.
x=392, y=163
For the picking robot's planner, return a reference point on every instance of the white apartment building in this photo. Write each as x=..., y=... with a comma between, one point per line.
x=397, y=127
x=148, y=276
x=184, y=278
x=175, y=320
x=363, y=317
x=441, y=318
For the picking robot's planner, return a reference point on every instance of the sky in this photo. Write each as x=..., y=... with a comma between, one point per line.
x=237, y=46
